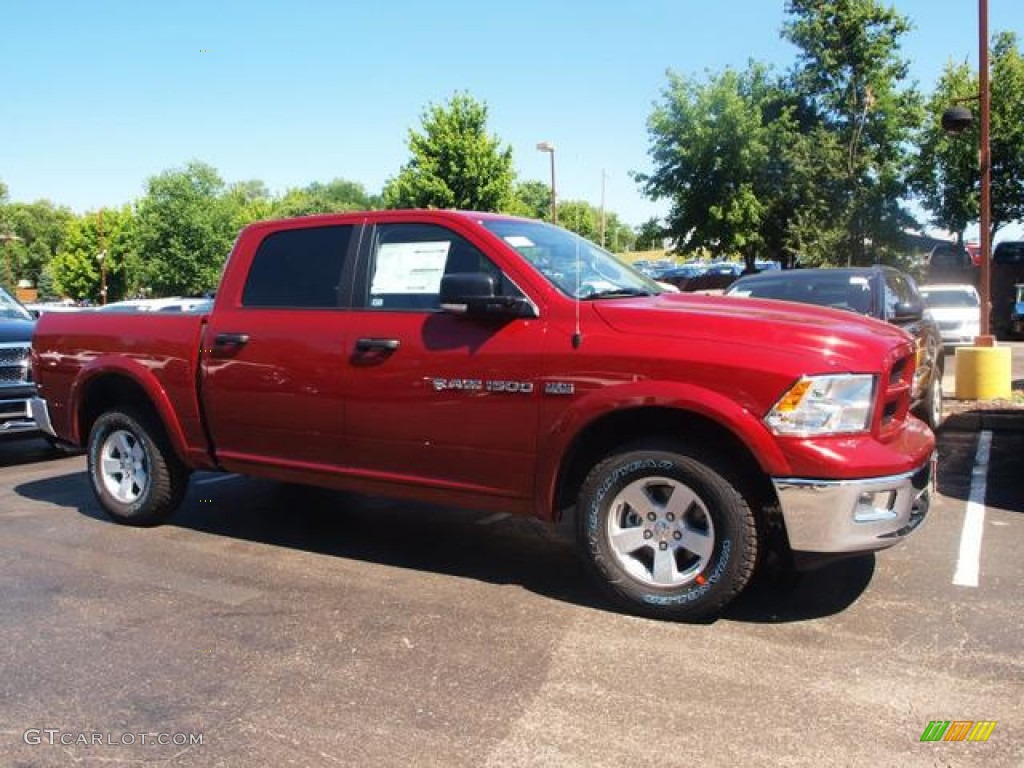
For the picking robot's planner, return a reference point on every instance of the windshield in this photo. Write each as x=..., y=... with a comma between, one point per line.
x=947, y=298
x=10, y=309
x=839, y=291
x=575, y=266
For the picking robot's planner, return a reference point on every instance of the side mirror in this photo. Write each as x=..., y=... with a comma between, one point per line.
x=907, y=311
x=473, y=293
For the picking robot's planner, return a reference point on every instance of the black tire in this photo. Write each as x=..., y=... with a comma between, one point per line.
x=930, y=409
x=135, y=474
x=706, y=536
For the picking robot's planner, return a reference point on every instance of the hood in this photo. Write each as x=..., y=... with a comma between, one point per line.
x=848, y=341
x=16, y=330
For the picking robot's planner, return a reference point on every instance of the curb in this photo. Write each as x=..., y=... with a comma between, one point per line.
x=1006, y=420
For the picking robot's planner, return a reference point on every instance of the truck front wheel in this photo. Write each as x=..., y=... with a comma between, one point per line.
x=665, y=533
x=135, y=474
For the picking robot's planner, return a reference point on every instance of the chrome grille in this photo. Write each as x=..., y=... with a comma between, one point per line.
x=14, y=364
x=896, y=391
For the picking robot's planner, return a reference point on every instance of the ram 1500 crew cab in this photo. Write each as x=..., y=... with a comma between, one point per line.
x=503, y=364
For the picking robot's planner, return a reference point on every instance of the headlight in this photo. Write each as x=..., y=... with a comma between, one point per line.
x=824, y=405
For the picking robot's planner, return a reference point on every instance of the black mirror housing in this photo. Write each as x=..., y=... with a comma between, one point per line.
x=908, y=311
x=473, y=293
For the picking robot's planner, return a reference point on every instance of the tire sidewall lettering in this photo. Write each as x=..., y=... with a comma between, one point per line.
x=716, y=575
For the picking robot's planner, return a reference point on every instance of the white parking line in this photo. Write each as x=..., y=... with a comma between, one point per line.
x=492, y=519
x=967, y=564
x=217, y=479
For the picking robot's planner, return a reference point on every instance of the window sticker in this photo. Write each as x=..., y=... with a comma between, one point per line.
x=518, y=241
x=858, y=280
x=410, y=267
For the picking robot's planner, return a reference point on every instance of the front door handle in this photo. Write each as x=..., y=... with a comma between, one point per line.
x=231, y=339
x=376, y=345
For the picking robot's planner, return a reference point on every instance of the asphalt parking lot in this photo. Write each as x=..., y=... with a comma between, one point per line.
x=288, y=626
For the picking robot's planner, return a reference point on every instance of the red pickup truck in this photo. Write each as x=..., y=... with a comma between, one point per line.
x=503, y=364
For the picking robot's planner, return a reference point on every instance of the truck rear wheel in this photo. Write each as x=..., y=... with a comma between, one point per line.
x=135, y=474
x=665, y=533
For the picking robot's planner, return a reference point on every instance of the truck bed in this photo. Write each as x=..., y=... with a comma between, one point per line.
x=160, y=352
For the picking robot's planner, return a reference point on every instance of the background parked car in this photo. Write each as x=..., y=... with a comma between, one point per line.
x=957, y=310
x=881, y=292
x=1009, y=252
x=16, y=388
x=1017, y=315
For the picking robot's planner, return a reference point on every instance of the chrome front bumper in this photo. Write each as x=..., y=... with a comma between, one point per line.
x=41, y=415
x=16, y=417
x=835, y=516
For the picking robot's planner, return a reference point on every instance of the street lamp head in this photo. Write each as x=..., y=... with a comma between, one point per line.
x=545, y=146
x=957, y=119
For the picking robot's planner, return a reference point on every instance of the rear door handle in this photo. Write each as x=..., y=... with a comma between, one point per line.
x=231, y=339
x=376, y=345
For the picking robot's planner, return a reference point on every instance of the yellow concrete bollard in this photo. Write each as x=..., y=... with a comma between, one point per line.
x=982, y=373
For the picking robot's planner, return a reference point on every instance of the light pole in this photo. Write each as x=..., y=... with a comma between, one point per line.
x=954, y=120
x=5, y=239
x=101, y=257
x=982, y=371
x=547, y=146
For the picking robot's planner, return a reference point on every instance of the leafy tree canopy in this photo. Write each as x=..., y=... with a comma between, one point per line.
x=454, y=163
x=186, y=225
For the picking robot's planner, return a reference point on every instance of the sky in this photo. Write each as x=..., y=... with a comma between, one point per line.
x=99, y=96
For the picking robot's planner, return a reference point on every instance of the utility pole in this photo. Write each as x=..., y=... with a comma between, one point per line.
x=102, y=257
x=603, y=177
x=7, y=239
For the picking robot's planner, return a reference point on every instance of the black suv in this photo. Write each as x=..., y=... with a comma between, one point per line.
x=880, y=292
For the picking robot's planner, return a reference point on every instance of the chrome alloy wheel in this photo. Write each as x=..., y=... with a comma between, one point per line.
x=660, y=532
x=124, y=466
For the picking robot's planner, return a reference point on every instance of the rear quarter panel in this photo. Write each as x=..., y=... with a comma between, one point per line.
x=74, y=354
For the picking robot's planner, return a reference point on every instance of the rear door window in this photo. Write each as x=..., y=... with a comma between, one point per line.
x=300, y=268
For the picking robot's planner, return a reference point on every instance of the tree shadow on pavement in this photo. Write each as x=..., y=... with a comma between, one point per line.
x=958, y=442
x=497, y=549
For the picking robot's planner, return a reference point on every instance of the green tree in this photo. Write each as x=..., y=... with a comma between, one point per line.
x=39, y=227
x=1007, y=130
x=454, y=163
x=618, y=236
x=186, y=225
x=650, y=235
x=946, y=177
x=77, y=271
x=335, y=196
x=710, y=149
x=944, y=174
x=531, y=199
x=851, y=77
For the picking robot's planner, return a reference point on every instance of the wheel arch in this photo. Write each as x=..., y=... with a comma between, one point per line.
x=107, y=389
x=665, y=427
